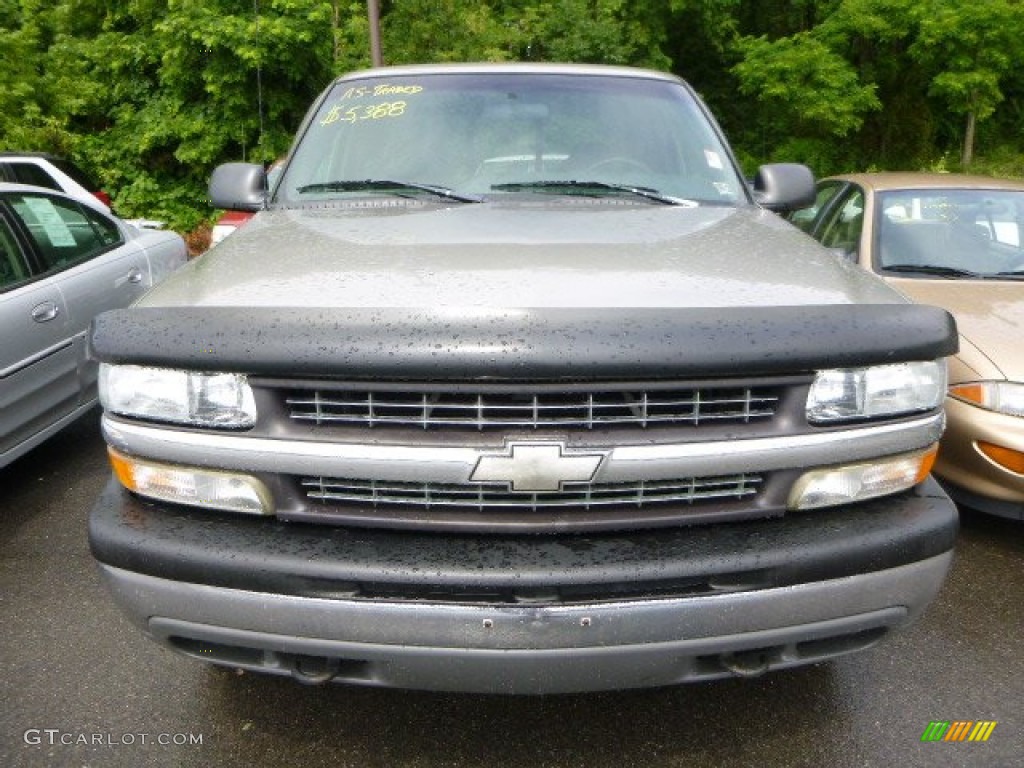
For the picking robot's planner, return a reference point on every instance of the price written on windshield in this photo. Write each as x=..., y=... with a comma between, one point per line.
x=340, y=113
x=381, y=111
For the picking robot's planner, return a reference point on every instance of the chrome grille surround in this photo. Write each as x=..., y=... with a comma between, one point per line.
x=495, y=496
x=583, y=409
x=416, y=480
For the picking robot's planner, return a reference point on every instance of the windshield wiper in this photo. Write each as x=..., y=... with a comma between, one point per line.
x=387, y=185
x=592, y=188
x=931, y=269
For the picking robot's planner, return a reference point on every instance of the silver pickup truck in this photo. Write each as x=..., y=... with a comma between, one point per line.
x=513, y=384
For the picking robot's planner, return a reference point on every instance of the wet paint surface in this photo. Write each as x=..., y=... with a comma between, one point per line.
x=519, y=255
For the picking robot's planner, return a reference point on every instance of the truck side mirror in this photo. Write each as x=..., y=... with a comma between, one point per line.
x=239, y=187
x=782, y=187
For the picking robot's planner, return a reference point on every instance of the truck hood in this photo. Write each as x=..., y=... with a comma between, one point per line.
x=550, y=253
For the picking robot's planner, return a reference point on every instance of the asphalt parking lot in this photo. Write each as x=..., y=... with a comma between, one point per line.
x=81, y=687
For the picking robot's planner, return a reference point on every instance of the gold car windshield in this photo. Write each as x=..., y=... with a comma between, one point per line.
x=952, y=232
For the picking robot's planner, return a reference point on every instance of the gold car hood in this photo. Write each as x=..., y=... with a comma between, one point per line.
x=989, y=315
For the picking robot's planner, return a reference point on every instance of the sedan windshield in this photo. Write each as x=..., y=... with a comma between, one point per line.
x=966, y=233
x=511, y=133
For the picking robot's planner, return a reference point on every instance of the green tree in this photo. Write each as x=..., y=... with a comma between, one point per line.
x=972, y=48
x=605, y=31
x=416, y=31
x=150, y=95
x=813, y=93
x=875, y=36
x=32, y=113
x=592, y=31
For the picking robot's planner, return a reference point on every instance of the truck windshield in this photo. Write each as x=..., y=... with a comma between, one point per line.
x=491, y=134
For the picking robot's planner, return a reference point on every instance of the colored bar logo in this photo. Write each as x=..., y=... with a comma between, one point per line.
x=958, y=730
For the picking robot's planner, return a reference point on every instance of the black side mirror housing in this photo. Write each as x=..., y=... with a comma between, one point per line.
x=783, y=187
x=239, y=187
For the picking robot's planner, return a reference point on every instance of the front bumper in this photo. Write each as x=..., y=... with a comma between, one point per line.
x=971, y=477
x=523, y=614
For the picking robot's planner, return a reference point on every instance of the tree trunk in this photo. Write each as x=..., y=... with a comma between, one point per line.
x=335, y=35
x=968, y=153
x=373, y=12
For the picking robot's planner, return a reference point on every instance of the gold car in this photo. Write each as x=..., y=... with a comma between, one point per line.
x=956, y=242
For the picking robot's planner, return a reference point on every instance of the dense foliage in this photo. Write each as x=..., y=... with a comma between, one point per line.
x=149, y=95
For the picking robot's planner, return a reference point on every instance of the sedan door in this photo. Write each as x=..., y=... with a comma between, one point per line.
x=38, y=362
x=81, y=265
x=112, y=278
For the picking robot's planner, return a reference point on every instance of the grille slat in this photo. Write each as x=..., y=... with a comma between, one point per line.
x=487, y=410
x=482, y=496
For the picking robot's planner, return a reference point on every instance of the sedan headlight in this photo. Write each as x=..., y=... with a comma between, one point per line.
x=182, y=397
x=847, y=394
x=999, y=396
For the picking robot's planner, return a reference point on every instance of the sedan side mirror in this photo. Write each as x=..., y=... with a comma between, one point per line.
x=782, y=187
x=239, y=187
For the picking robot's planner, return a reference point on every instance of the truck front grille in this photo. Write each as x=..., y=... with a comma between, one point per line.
x=482, y=410
x=495, y=496
x=503, y=456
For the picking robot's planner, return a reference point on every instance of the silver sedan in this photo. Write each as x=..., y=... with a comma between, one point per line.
x=61, y=263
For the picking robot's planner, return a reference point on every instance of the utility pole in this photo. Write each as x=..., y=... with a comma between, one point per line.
x=373, y=10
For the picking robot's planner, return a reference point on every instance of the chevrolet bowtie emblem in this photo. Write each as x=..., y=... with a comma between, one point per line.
x=536, y=467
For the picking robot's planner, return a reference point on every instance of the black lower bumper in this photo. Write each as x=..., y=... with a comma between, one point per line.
x=270, y=556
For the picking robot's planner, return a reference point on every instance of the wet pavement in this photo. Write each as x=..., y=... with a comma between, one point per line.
x=79, y=686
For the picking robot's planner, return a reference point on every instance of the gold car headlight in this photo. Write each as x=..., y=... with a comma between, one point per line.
x=999, y=396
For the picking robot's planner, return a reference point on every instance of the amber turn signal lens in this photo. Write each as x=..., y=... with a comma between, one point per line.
x=973, y=393
x=122, y=469
x=927, y=462
x=1004, y=457
x=195, y=486
x=846, y=484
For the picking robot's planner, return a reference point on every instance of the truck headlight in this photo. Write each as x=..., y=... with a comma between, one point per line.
x=847, y=394
x=999, y=396
x=182, y=397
